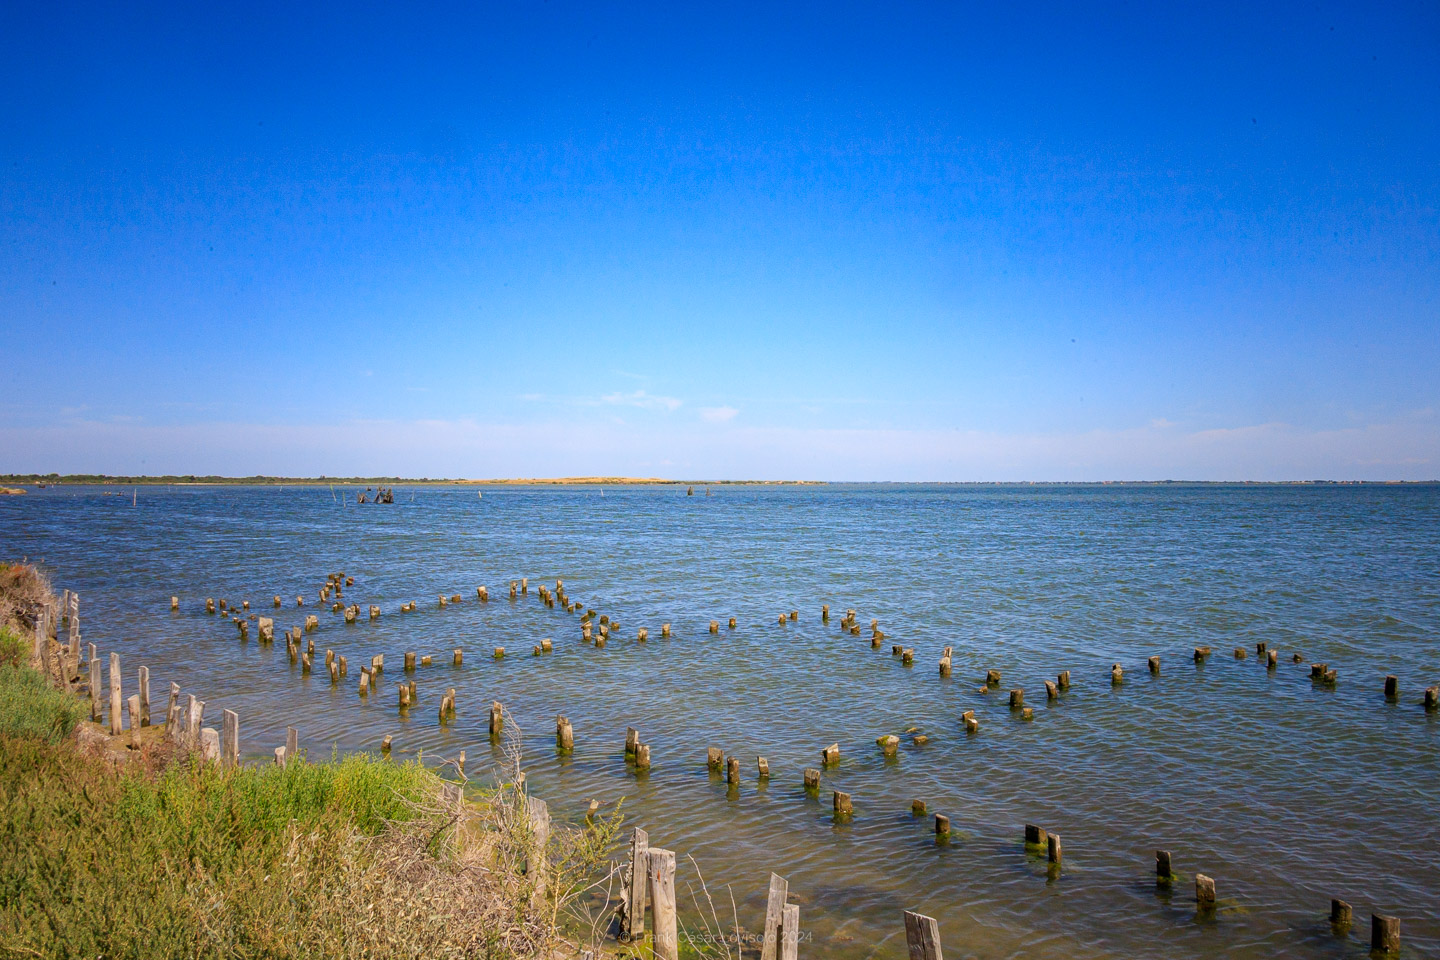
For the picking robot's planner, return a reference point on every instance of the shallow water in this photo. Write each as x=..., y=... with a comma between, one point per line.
x=1284, y=792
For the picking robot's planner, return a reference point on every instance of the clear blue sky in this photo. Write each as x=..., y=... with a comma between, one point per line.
x=835, y=242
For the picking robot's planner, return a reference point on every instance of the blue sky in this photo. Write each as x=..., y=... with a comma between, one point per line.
x=908, y=242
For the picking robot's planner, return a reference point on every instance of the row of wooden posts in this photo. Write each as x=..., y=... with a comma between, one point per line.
x=1385, y=929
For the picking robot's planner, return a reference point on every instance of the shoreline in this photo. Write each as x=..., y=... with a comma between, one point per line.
x=192, y=480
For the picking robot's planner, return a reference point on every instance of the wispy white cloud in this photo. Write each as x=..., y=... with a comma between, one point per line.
x=639, y=398
x=718, y=414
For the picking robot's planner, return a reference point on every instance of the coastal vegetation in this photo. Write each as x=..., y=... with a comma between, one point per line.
x=114, y=847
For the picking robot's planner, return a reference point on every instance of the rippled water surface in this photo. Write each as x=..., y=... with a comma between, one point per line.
x=1286, y=793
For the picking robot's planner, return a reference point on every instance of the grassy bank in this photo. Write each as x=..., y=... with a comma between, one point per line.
x=161, y=855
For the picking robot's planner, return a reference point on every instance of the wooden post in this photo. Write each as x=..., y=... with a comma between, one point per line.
x=1340, y=913
x=1063, y=680
x=132, y=709
x=1017, y=699
x=1163, y=873
x=210, y=745
x=762, y=768
x=1392, y=687
x=230, y=743
x=632, y=741
x=116, y=700
x=1272, y=659
x=917, y=808
x=830, y=755
x=537, y=814
x=292, y=743
x=812, y=778
x=1035, y=836
x=790, y=933
x=1432, y=697
x=888, y=744
x=410, y=661
x=842, y=805
x=992, y=678
x=634, y=895
x=732, y=770
x=1053, y=847
x=1204, y=891
x=1117, y=674
x=942, y=822
x=172, y=711
x=714, y=757
x=144, y=685
x=642, y=756
x=666, y=935
x=774, y=917
x=497, y=718
x=1155, y=665
x=664, y=630
x=564, y=734
x=922, y=937
x=1384, y=933
x=96, y=697
x=194, y=714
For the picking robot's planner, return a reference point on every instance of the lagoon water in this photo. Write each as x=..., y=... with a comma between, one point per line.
x=1286, y=793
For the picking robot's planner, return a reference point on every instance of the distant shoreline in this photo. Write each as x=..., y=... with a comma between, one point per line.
x=264, y=481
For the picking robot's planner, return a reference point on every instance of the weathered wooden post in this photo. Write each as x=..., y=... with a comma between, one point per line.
x=210, y=745
x=1052, y=692
x=1272, y=659
x=922, y=937
x=942, y=822
x=830, y=755
x=175, y=603
x=664, y=631
x=714, y=626
x=812, y=778
x=230, y=742
x=632, y=741
x=762, y=768
x=842, y=805
x=482, y=594
x=194, y=715
x=564, y=734
x=634, y=893
x=1384, y=933
x=292, y=743
x=144, y=686
x=132, y=710
x=714, y=757
x=732, y=771
x=499, y=653
x=1204, y=891
x=1392, y=687
x=774, y=917
x=1053, y=847
x=172, y=711
x=1017, y=699
x=410, y=661
x=888, y=744
x=642, y=756
x=1117, y=674
x=1432, y=697
x=1063, y=680
x=1163, y=873
x=1340, y=914
x=1035, y=836
x=497, y=718
x=97, y=699
x=116, y=700
x=1155, y=665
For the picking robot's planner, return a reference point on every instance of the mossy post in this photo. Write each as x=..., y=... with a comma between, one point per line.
x=812, y=778
x=1384, y=933
x=1340, y=914
x=942, y=822
x=1204, y=892
x=842, y=804
x=1163, y=872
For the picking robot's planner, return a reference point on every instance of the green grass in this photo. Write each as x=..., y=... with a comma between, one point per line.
x=192, y=862
x=29, y=707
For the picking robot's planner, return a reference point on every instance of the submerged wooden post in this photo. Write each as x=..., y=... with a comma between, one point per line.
x=1384, y=933
x=1432, y=697
x=1163, y=873
x=634, y=895
x=1063, y=680
x=812, y=778
x=714, y=756
x=888, y=744
x=1035, y=836
x=497, y=718
x=762, y=768
x=632, y=741
x=175, y=603
x=830, y=755
x=1053, y=847
x=1155, y=665
x=642, y=756
x=664, y=630
x=1052, y=692
x=1204, y=891
x=732, y=770
x=230, y=742
x=1017, y=699
x=116, y=700
x=922, y=937
x=942, y=822
x=1272, y=659
x=843, y=806
x=1392, y=687
x=564, y=734
x=1340, y=913
x=774, y=917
